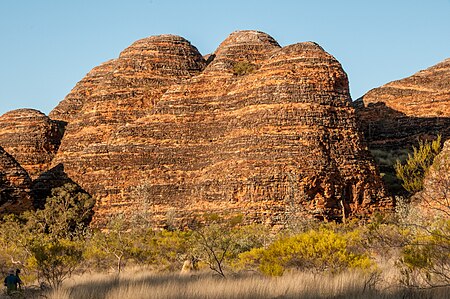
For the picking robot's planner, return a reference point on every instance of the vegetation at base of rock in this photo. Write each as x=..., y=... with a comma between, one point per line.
x=48, y=243
x=316, y=250
x=51, y=249
x=412, y=173
x=242, y=68
x=426, y=261
x=386, y=160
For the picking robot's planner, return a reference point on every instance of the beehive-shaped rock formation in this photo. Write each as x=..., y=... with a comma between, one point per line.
x=15, y=185
x=31, y=138
x=260, y=130
x=68, y=109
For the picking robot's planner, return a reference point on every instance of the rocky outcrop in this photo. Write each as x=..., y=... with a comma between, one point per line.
x=396, y=115
x=400, y=112
x=15, y=185
x=263, y=131
x=31, y=138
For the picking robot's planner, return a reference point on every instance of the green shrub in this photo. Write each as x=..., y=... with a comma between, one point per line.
x=425, y=262
x=315, y=250
x=413, y=171
x=242, y=68
x=55, y=260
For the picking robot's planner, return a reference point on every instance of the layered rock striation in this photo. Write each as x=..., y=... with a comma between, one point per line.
x=31, y=138
x=403, y=111
x=15, y=185
x=395, y=116
x=275, y=140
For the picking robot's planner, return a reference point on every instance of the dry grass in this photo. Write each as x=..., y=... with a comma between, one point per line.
x=140, y=285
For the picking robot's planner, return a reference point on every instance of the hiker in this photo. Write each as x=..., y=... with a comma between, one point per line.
x=12, y=281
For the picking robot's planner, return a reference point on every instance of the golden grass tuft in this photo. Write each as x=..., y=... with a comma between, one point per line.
x=143, y=285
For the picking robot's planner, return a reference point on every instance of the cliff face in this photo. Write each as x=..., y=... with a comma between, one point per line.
x=15, y=185
x=395, y=116
x=261, y=131
x=400, y=112
x=31, y=138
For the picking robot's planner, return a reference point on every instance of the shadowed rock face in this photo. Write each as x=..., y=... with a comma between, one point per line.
x=403, y=111
x=15, y=185
x=31, y=138
x=282, y=135
x=395, y=116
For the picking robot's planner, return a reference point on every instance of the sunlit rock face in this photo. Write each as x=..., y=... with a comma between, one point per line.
x=403, y=111
x=260, y=130
x=31, y=137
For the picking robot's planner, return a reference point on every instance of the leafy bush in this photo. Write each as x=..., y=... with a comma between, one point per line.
x=315, y=250
x=167, y=250
x=67, y=213
x=426, y=261
x=49, y=242
x=242, y=68
x=55, y=260
x=413, y=171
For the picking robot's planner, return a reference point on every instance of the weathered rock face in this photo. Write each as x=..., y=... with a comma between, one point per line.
x=15, y=185
x=68, y=108
x=31, y=138
x=281, y=134
x=400, y=112
x=395, y=116
x=122, y=90
x=424, y=94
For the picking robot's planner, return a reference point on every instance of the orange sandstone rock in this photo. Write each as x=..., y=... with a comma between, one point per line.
x=281, y=134
x=31, y=138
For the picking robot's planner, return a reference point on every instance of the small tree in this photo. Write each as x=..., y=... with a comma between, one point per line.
x=413, y=171
x=213, y=244
x=55, y=259
x=220, y=242
x=67, y=213
x=50, y=240
x=425, y=262
x=115, y=242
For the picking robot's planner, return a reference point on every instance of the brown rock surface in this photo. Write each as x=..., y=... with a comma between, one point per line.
x=220, y=141
x=15, y=185
x=424, y=94
x=31, y=138
x=68, y=108
x=396, y=115
x=402, y=111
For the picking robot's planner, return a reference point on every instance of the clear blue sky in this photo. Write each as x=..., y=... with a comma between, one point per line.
x=49, y=45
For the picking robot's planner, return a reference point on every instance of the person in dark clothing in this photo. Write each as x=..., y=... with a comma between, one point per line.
x=12, y=281
x=18, y=277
